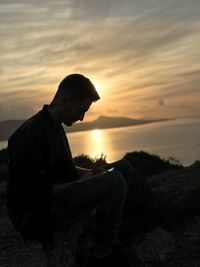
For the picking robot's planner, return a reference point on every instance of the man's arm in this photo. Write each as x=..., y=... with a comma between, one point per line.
x=82, y=171
x=28, y=190
x=89, y=172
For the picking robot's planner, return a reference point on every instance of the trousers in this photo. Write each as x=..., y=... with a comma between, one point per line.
x=104, y=192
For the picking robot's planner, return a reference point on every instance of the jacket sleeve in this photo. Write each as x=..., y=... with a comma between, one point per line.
x=28, y=190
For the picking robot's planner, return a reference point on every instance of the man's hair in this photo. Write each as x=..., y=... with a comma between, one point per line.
x=78, y=86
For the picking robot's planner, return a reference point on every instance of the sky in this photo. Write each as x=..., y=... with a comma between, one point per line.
x=142, y=55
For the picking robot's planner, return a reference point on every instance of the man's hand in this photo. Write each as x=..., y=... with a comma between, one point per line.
x=86, y=173
x=94, y=171
x=97, y=170
x=82, y=170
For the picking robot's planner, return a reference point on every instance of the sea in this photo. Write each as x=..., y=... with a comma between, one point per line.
x=177, y=138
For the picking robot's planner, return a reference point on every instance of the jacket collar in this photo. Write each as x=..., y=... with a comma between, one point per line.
x=48, y=121
x=52, y=132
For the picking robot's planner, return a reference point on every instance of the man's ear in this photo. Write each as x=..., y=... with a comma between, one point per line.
x=67, y=98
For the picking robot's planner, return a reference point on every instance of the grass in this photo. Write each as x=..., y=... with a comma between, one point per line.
x=145, y=164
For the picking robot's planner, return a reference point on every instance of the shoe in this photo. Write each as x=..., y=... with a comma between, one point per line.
x=116, y=259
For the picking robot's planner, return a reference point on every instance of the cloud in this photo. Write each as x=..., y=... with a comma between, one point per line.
x=90, y=9
x=161, y=102
x=139, y=50
x=109, y=110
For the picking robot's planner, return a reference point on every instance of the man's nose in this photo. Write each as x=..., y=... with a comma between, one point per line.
x=82, y=117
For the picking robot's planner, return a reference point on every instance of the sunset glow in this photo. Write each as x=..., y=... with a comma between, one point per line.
x=98, y=88
x=142, y=56
x=98, y=145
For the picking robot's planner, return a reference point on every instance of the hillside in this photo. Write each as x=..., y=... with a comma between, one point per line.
x=104, y=122
x=160, y=226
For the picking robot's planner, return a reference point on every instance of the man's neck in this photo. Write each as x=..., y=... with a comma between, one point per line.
x=53, y=114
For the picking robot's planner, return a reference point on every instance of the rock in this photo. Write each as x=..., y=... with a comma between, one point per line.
x=175, y=194
x=16, y=252
x=155, y=247
x=187, y=252
x=161, y=226
x=70, y=247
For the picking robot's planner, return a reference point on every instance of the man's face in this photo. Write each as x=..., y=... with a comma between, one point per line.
x=75, y=110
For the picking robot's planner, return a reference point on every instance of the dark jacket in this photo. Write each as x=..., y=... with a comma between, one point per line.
x=39, y=156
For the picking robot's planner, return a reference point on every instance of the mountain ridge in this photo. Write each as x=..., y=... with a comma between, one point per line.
x=7, y=127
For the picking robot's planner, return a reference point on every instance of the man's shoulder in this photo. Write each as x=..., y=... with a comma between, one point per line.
x=35, y=123
x=30, y=128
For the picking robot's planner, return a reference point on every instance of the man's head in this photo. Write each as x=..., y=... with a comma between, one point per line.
x=73, y=98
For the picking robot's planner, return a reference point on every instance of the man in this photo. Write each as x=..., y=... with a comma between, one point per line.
x=46, y=191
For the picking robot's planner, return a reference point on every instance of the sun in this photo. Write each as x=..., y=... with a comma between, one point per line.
x=98, y=87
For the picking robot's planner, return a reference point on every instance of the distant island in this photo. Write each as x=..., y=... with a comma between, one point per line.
x=9, y=126
x=104, y=122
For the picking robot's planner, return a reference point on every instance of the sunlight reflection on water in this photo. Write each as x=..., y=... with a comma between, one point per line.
x=175, y=138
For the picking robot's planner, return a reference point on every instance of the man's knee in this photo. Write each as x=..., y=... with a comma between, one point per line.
x=127, y=169
x=118, y=181
x=126, y=164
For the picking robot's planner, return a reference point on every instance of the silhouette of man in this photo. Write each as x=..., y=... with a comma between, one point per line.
x=46, y=191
